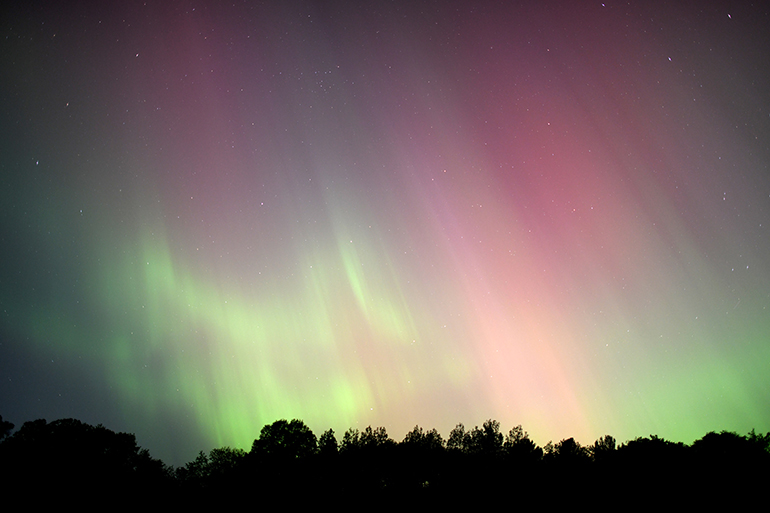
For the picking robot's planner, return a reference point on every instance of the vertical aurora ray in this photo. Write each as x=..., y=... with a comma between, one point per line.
x=388, y=214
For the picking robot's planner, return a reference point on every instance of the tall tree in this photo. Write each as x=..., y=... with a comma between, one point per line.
x=285, y=440
x=417, y=438
x=327, y=443
x=458, y=438
x=603, y=448
x=375, y=437
x=350, y=440
x=519, y=446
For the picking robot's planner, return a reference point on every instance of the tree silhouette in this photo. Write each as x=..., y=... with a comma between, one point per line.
x=568, y=455
x=417, y=438
x=602, y=449
x=281, y=459
x=377, y=437
x=285, y=440
x=640, y=459
x=195, y=471
x=487, y=440
x=569, y=448
x=72, y=459
x=5, y=428
x=350, y=440
x=458, y=439
x=414, y=437
x=519, y=448
x=433, y=441
x=327, y=444
x=224, y=460
x=762, y=442
x=721, y=461
x=480, y=440
x=422, y=462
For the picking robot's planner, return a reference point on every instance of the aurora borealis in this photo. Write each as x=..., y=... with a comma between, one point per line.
x=214, y=215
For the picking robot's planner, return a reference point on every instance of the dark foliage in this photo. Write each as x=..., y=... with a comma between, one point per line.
x=5, y=428
x=73, y=461
x=76, y=462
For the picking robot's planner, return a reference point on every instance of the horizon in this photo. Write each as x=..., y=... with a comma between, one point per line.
x=468, y=430
x=385, y=214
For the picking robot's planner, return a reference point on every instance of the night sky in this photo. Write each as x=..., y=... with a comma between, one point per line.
x=214, y=215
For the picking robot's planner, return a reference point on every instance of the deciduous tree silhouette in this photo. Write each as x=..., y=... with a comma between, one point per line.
x=717, y=458
x=375, y=437
x=602, y=449
x=571, y=450
x=430, y=440
x=642, y=459
x=281, y=458
x=458, y=439
x=72, y=459
x=285, y=440
x=487, y=440
x=350, y=441
x=421, y=459
x=224, y=460
x=195, y=472
x=327, y=444
x=519, y=448
x=5, y=428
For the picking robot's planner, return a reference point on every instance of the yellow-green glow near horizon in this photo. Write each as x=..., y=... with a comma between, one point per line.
x=389, y=215
x=237, y=358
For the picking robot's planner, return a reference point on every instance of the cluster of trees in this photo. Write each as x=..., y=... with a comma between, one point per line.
x=71, y=458
x=70, y=461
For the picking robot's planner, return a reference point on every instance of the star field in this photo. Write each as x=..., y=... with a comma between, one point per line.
x=385, y=213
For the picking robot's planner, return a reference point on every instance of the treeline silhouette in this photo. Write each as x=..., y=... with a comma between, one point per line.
x=70, y=461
